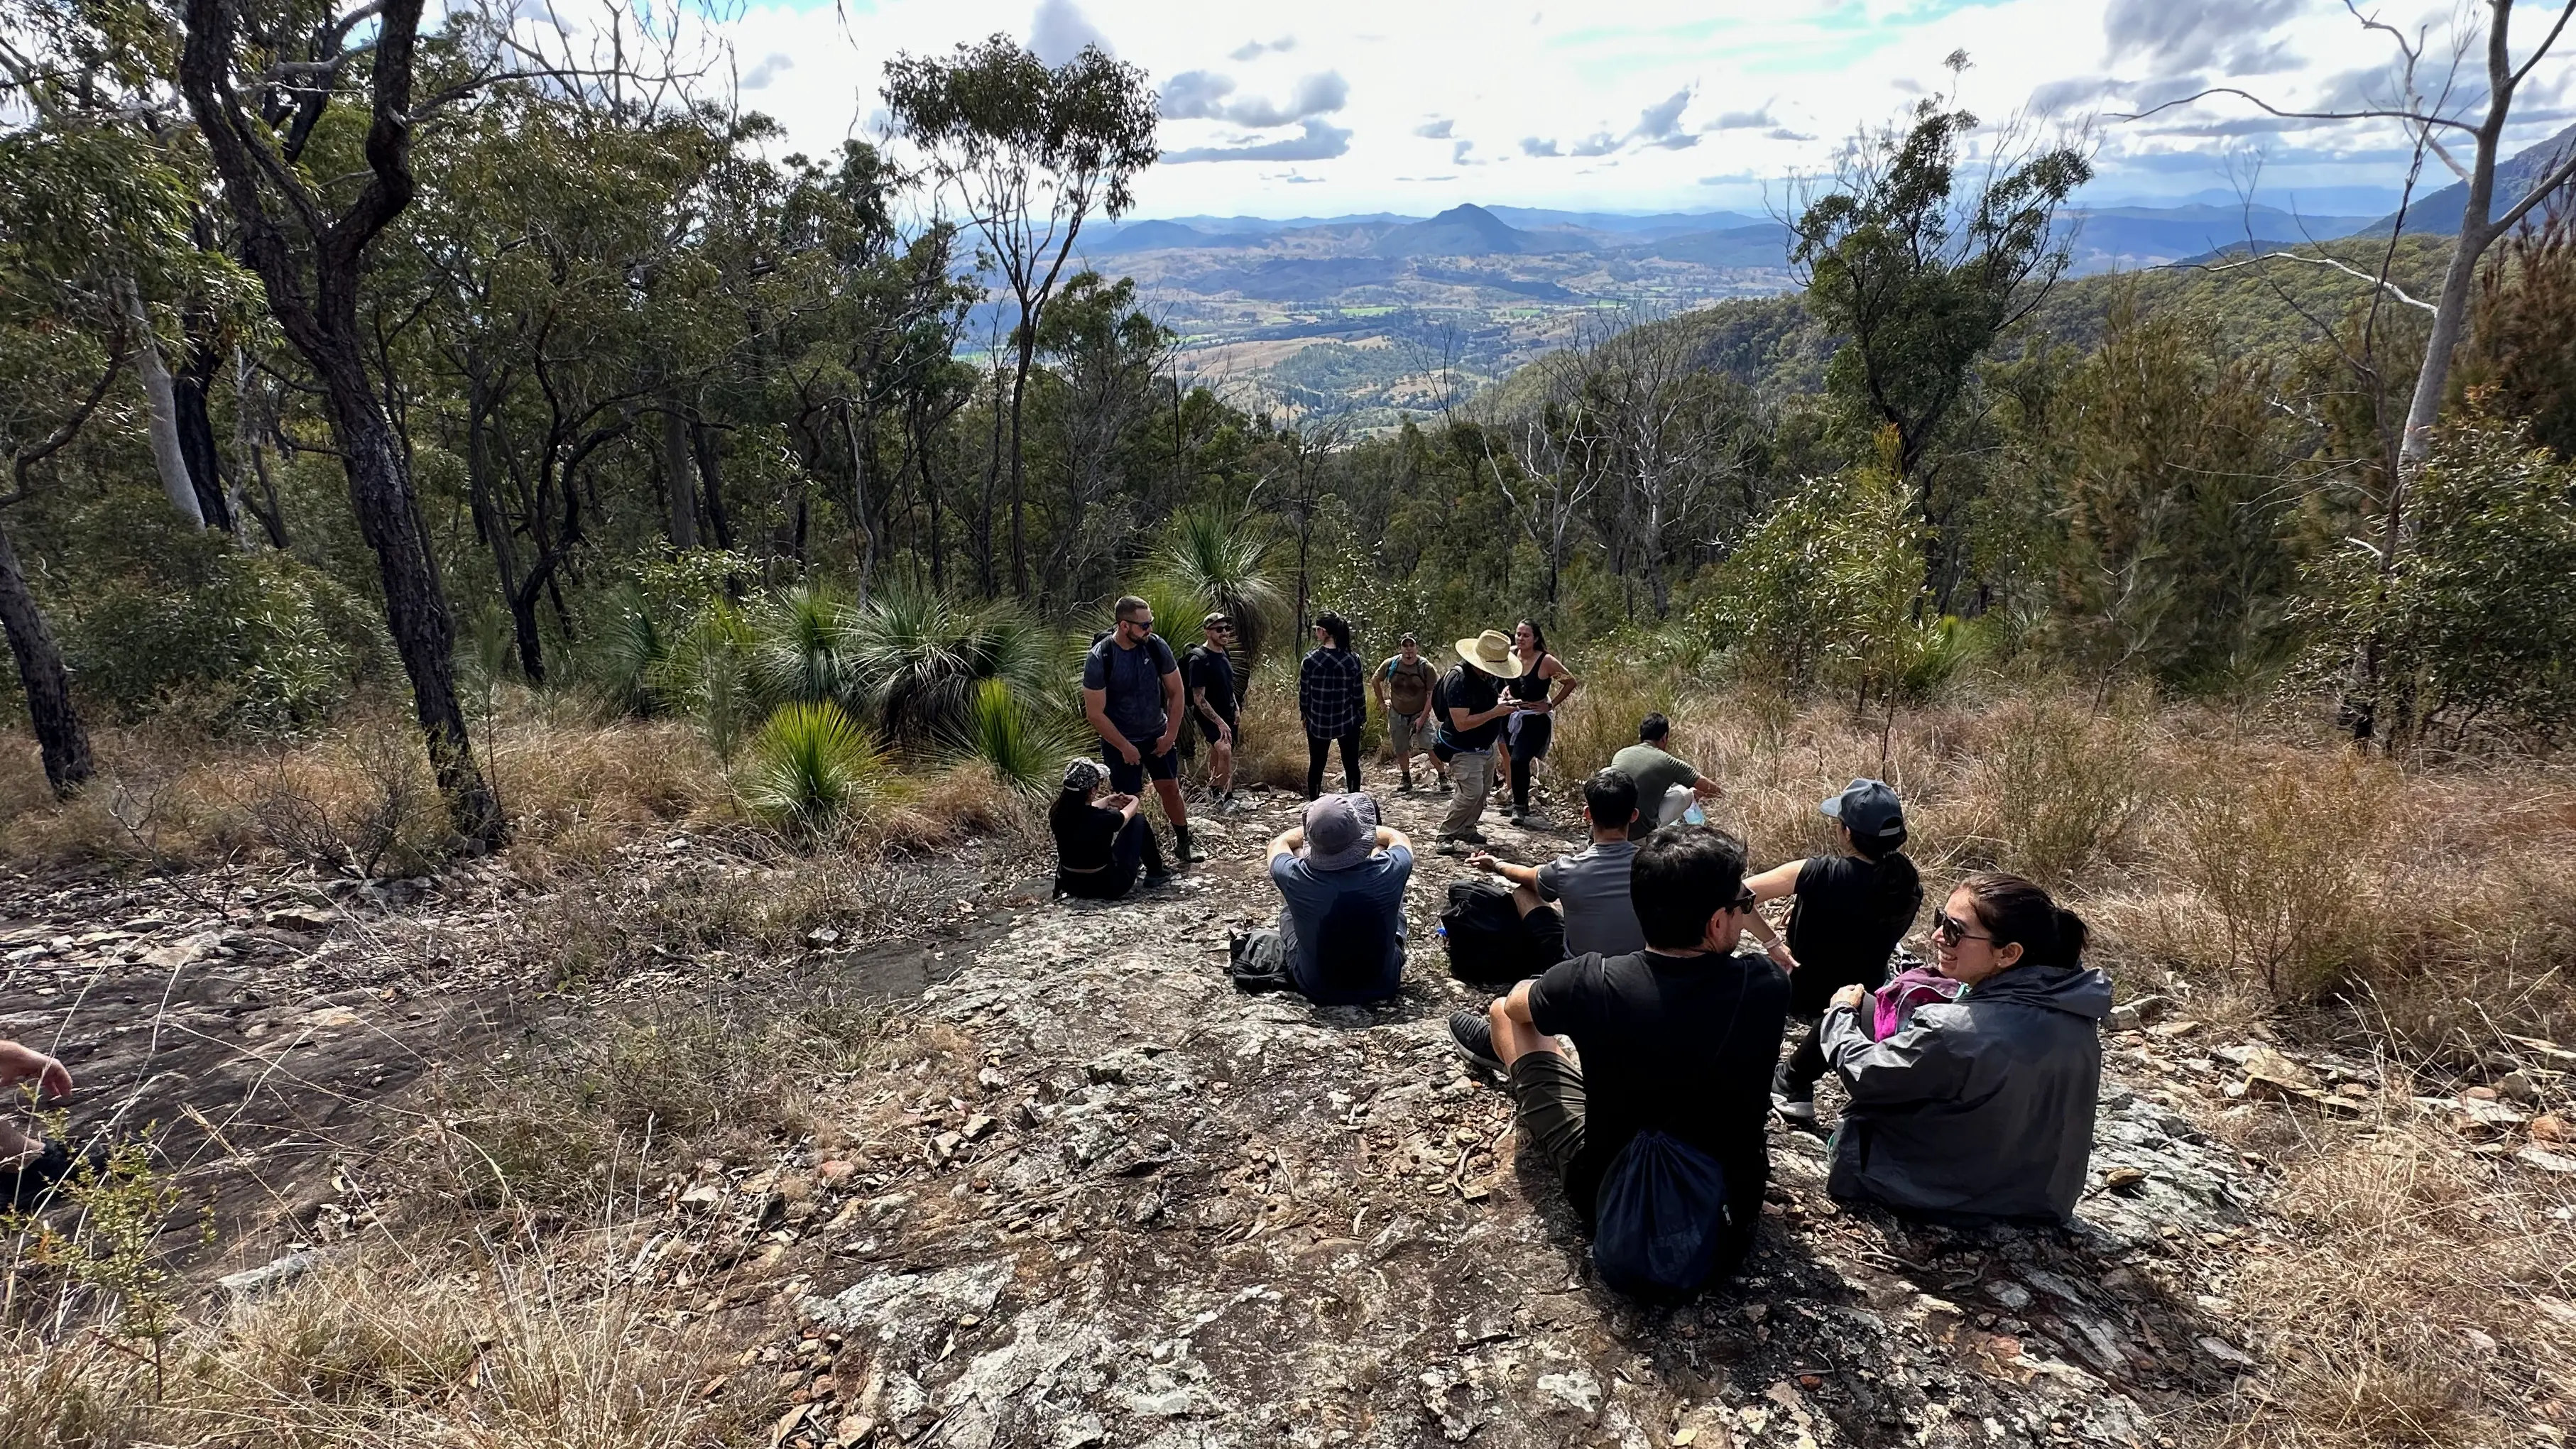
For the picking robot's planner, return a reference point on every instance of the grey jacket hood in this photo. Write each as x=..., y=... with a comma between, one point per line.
x=2075, y=990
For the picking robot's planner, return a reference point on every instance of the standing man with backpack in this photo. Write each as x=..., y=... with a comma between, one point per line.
x=1473, y=708
x=1403, y=686
x=1208, y=674
x=1131, y=694
x=1659, y=1136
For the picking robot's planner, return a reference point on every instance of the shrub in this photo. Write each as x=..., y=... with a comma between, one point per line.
x=1216, y=558
x=265, y=642
x=2292, y=874
x=363, y=804
x=913, y=660
x=810, y=764
x=796, y=647
x=709, y=674
x=2060, y=788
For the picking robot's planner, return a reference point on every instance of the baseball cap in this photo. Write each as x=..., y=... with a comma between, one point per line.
x=1869, y=809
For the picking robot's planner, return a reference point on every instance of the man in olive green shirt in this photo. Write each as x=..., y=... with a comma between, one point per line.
x=1659, y=773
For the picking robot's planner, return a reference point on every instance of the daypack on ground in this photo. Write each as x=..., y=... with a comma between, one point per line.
x=1660, y=1218
x=1488, y=945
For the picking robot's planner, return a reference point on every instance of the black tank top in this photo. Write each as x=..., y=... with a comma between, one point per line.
x=1529, y=686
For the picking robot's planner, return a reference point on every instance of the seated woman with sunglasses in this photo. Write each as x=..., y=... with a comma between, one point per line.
x=1981, y=1108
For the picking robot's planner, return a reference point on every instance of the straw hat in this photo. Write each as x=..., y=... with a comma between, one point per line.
x=1491, y=652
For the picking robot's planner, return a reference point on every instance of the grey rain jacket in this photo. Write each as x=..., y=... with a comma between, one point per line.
x=1982, y=1107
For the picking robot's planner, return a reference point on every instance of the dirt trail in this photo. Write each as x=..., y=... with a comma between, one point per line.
x=1097, y=1196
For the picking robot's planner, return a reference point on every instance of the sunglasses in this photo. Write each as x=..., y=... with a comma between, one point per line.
x=1745, y=900
x=1143, y=626
x=1949, y=930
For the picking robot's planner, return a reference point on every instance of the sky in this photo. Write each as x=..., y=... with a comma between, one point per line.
x=1336, y=107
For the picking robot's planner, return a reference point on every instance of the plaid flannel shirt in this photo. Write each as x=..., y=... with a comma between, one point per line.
x=1332, y=693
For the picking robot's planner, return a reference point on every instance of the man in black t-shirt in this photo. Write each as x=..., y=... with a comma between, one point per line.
x=1473, y=707
x=1208, y=677
x=1679, y=1037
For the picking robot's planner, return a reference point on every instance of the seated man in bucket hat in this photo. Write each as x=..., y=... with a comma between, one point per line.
x=1341, y=879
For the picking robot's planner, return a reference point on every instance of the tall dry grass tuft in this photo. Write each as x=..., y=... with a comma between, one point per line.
x=2422, y=1297
x=2063, y=788
x=363, y=1354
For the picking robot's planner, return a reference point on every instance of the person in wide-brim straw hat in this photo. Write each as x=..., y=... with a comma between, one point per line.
x=1473, y=709
x=1492, y=653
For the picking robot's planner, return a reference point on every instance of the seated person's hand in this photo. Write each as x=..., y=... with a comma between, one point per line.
x=1850, y=997
x=1484, y=861
x=1118, y=801
x=1778, y=951
x=19, y=1063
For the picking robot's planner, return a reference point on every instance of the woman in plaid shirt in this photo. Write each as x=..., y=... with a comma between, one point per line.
x=1332, y=699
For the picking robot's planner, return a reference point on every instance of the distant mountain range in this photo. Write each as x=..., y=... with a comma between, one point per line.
x=2441, y=211
x=2103, y=238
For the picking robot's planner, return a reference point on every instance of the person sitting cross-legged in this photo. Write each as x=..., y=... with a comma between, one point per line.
x=1677, y=1042
x=1341, y=879
x=1579, y=903
x=1101, y=843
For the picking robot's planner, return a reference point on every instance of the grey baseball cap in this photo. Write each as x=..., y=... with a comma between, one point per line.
x=1869, y=809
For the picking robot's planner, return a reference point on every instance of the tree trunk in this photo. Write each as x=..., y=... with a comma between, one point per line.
x=709, y=445
x=416, y=612
x=48, y=687
x=197, y=448
x=167, y=457
x=1019, y=389
x=682, y=488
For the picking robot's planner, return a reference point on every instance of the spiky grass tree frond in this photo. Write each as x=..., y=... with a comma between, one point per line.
x=916, y=658
x=627, y=652
x=810, y=767
x=796, y=655
x=708, y=675
x=1224, y=560
x=1023, y=745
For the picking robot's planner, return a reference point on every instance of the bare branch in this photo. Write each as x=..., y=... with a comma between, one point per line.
x=2346, y=268
x=2410, y=117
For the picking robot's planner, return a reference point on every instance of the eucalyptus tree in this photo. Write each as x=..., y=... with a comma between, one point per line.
x=1920, y=270
x=1033, y=150
x=1107, y=357
x=305, y=225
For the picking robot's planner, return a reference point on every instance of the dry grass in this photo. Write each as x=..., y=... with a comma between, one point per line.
x=539, y=1352
x=2422, y=1296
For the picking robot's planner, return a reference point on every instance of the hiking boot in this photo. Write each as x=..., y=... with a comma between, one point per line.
x=1407, y=786
x=1472, y=1032
x=1472, y=837
x=1448, y=845
x=1186, y=848
x=1795, y=1102
x=1443, y=786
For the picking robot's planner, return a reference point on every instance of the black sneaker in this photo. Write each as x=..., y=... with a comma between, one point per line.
x=1795, y=1103
x=1189, y=851
x=1444, y=787
x=1472, y=837
x=1472, y=1032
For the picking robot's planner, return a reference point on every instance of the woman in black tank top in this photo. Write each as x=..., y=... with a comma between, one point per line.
x=1525, y=740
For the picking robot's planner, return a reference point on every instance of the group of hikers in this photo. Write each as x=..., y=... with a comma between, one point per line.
x=1969, y=1083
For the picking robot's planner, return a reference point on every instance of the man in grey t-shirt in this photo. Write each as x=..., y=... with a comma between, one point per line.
x=1579, y=903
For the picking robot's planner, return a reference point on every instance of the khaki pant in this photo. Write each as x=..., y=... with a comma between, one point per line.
x=1406, y=740
x=1475, y=776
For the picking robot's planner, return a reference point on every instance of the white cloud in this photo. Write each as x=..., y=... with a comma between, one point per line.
x=1766, y=87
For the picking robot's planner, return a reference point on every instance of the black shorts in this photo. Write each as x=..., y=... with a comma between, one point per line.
x=1129, y=779
x=1207, y=727
x=1546, y=927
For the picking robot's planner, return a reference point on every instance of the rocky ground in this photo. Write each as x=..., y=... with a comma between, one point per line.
x=1086, y=1192
x=1104, y=1198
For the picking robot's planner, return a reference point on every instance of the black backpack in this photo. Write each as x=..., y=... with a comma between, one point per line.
x=1488, y=944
